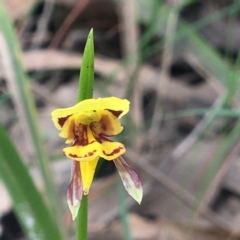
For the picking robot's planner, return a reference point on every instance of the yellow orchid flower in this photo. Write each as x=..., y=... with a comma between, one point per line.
x=87, y=126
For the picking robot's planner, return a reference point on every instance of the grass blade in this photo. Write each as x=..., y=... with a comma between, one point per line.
x=32, y=212
x=19, y=88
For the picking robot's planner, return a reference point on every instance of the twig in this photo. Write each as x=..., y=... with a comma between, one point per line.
x=216, y=181
x=44, y=94
x=68, y=22
x=177, y=190
x=131, y=53
x=43, y=24
x=188, y=142
x=164, y=73
x=193, y=62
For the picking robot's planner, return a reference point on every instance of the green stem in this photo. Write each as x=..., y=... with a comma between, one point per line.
x=85, y=91
x=82, y=219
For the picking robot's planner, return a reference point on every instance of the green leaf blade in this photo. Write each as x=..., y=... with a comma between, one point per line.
x=20, y=90
x=30, y=208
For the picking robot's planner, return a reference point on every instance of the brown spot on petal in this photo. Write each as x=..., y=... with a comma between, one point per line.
x=103, y=128
x=91, y=153
x=115, y=113
x=81, y=135
x=73, y=155
x=61, y=121
x=98, y=139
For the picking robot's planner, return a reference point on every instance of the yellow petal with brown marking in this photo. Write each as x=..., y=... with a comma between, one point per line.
x=117, y=105
x=82, y=153
x=68, y=129
x=109, y=125
x=111, y=150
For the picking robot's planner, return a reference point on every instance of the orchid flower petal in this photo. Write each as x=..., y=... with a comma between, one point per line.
x=130, y=179
x=68, y=129
x=75, y=190
x=118, y=107
x=84, y=148
x=59, y=117
x=109, y=125
x=88, y=169
x=82, y=153
x=111, y=150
